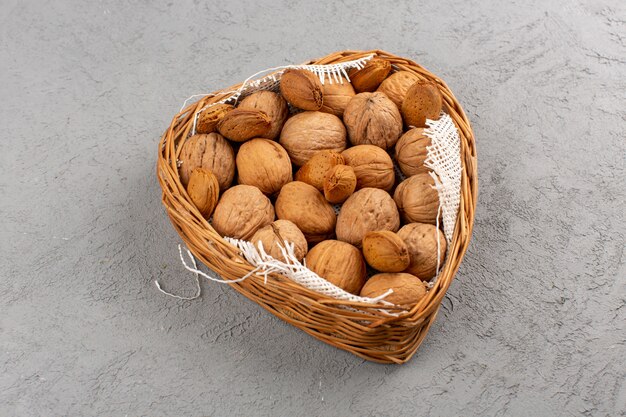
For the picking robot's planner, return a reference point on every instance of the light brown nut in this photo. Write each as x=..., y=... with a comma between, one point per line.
x=302, y=89
x=397, y=84
x=372, y=119
x=407, y=289
x=338, y=263
x=309, y=132
x=372, y=166
x=274, y=236
x=210, y=117
x=203, y=190
x=264, y=164
x=242, y=210
x=421, y=241
x=210, y=151
x=385, y=251
x=337, y=95
x=412, y=151
x=339, y=183
x=271, y=104
x=423, y=101
x=314, y=171
x=239, y=125
x=305, y=206
x=417, y=199
x=367, y=210
x=368, y=78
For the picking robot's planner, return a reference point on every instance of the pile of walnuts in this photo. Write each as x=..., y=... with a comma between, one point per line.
x=298, y=154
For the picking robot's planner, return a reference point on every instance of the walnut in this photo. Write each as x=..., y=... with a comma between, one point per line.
x=264, y=164
x=397, y=84
x=242, y=210
x=385, y=251
x=211, y=152
x=421, y=241
x=422, y=101
x=339, y=263
x=274, y=236
x=407, y=289
x=337, y=95
x=417, y=199
x=271, y=104
x=367, y=210
x=315, y=169
x=371, y=118
x=372, y=166
x=411, y=152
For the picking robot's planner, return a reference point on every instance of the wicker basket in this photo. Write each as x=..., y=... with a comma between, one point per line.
x=362, y=329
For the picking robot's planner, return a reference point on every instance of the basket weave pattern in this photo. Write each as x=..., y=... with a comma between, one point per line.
x=362, y=329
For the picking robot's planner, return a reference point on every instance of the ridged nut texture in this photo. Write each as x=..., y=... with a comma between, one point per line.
x=417, y=199
x=337, y=95
x=264, y=164
x=210, y=117
x=203, y=190
x=339, y=263
x=271, y=104
x=315, y=169
x=339, y=183
x=385, y=251
x=397, y=85
x=242, y=210
x=302, y=89
x=367, y=210
x=309, y=132
x=422, y=101
x=368, y=78
x=372, y=166
x=211, y=152
x=305, y=206
x=407, y=289
x=421, y=241
x=274, y=236
x=240, y=125
x=373, y=119
x=412, y=151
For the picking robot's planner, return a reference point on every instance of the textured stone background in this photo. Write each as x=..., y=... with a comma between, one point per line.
x=534, y=323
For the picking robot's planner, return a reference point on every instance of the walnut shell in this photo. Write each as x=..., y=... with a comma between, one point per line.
x=421, y=241
x=239, y=125
x=422, y=101
x=367, y=210
x=372, y=166
x=242, y=210
x=271, y=104
x=372, y=119
x=203, y=190
x=407, y=289
x=302, y=204
x=274, y=235
x=337, y=95
x=411, y=152
x=314, y=171
x=338, y=263
x=264, y=164
x=339, y=183
x=385, y=251
x=417, y=199
x=368, y=78
x=212, y=152
x=302, y=89
x=210, y=117
x=396, y=86
x=309, y=132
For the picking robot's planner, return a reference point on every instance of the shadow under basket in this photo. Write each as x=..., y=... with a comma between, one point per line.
x=362, y=329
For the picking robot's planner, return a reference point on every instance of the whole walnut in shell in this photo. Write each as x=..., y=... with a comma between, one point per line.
x=239, y=124
x=211, y=152
x=385, y=251
x=397, y=85
x=421, y=241
x=411, y=152
x=372, y=166
x=422, y=101
x=242, y=210
x=338, y=263
x=271, y=104
x=264, y=164
x=203, y=190
x=274, y=236
x=367, y=210
x=305, y=206
x=372, y=119
x=309, y=132
x=368, y=78
x=417, y=199
x=339, y=183
x=337, y=95
x=407, y=289
x=315, y=169
x=302, y=89
x=209, y=118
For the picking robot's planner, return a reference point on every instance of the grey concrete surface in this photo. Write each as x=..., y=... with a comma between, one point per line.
x=532, y=325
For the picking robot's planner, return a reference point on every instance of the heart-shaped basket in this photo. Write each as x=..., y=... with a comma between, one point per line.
x=376, y=332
